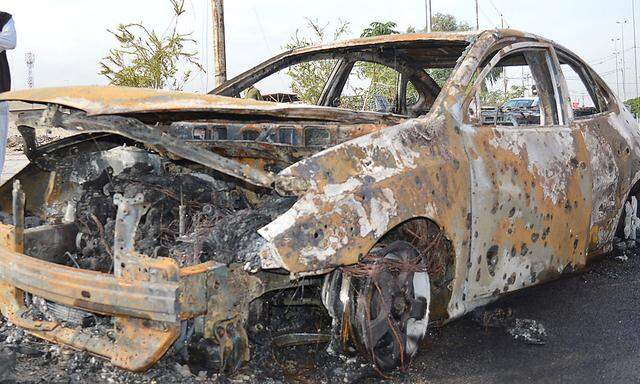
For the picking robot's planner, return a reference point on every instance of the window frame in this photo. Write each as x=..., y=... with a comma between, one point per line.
x=603, y=99
x=338, y=82
x=558, y=82
x=395, y=107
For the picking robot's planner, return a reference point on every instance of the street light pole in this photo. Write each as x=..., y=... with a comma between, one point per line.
x=615, y=53
x=219, y=48
x=635, y=46
x=624, y=64
x=477, y=16
x=429, y=14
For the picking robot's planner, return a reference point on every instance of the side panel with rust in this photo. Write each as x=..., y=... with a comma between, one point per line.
x=611, y=167
x=531, y=206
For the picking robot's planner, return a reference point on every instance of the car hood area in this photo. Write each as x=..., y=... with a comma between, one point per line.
x=147, y=115
x=110, y=100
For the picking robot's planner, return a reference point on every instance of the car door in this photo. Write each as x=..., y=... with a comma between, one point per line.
x=531, y=187
x=608, y=149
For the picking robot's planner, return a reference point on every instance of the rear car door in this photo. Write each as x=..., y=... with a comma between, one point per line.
x=609, y=151
x=531, y=187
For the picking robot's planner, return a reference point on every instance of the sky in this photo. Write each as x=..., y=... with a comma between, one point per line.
x=69, y=37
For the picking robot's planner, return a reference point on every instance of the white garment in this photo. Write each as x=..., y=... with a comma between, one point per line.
x=7, y=41
x=4, y=128
x=8, y=38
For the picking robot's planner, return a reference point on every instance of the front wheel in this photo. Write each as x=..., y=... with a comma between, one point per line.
x=388, y=305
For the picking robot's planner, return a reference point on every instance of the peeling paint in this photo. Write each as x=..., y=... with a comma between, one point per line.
x=517, y=205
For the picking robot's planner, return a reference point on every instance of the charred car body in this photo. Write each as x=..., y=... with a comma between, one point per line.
x=171, y=213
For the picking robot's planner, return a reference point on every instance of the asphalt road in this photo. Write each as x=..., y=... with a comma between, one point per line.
x=593, y=332
x=593, y=336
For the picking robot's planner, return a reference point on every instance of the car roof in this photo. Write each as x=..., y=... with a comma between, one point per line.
x=449, y=45
x=425, y=50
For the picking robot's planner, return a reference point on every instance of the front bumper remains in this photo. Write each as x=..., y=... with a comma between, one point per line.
x=149, y=299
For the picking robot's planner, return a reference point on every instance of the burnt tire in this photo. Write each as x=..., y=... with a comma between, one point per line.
x=390, y=312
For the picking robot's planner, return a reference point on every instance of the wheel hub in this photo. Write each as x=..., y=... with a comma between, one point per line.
x=391, y=306
x=399, y=305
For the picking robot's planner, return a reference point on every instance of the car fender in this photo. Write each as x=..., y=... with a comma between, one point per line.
x=358, y=191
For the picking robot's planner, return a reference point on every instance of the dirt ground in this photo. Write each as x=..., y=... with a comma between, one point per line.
x=591, y=322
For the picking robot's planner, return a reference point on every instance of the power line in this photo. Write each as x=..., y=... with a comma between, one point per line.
x=610, y=56
x=502, y=18
x=602, y=61
x=488, y=18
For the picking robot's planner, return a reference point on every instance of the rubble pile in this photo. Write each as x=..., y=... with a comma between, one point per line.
x=528, y=331
x=24, y=358
x=27, y=359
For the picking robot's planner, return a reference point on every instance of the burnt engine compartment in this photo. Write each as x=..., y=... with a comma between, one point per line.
x=195, y=215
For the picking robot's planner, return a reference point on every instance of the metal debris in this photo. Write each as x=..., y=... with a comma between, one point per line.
x=529, y=331
x=623, y=258
x=497, y=318
x=297, y=339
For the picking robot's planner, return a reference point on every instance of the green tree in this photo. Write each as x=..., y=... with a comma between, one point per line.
x=634, y=106
x=308, y=79
x=442, y=22
x=497, y=98
x=372, y=79
x=147, y=60
x=380, y=29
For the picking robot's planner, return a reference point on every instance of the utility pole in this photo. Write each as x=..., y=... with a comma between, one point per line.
x=505, y=81
x=635, y=46
x=615, y=53
x=477, y=15
x=429, y=15
x=219, y=49
x=30, y=59
x=624, y=64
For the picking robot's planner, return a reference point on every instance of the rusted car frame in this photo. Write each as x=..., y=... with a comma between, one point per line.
x=453, y=212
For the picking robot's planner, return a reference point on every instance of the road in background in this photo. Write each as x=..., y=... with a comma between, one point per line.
x=13, y=163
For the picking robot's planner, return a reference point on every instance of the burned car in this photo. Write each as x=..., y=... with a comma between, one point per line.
x=171, y=214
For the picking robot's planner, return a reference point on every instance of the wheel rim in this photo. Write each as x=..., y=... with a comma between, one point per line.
x=392, y=308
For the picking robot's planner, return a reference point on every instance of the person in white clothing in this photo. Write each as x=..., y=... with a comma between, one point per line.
x=7, y=41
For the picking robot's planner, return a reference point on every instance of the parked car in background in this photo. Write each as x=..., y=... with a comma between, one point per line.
x=520, y=111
